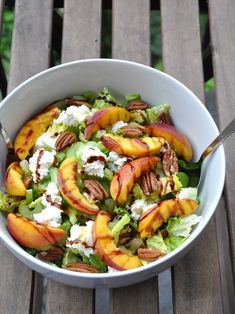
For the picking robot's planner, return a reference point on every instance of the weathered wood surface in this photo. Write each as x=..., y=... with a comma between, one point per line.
x=81, y=29
x=31, y=40
x=79, y=41
x=131, y=41
x=222, y=25
x=196, y=279
x=32, y=20
x=131, y=30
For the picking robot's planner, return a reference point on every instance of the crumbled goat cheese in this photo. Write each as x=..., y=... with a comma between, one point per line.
x=116, y=161
x=188, y=193
x=118, y=125
x=95, y=168
x=137, y=208
x=46, y=141
x=73, y=115
x=52, y=193
x=83, y=235
x=91, y=151
x=50, y=216
x=40, y=163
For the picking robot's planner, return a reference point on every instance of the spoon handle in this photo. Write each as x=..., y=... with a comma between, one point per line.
x=220, y=139
x=5, y=137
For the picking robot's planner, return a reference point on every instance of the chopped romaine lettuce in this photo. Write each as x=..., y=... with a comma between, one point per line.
x=152, y=113
x=173, y=242
x=24, y=165
x=77, y=149
x=132, y=97
x=53, y=174
x=8, y=202
x=189, y=165
x=119, y=225
x=69, y=257
x=188, y=193
x=27, y=211
x=157, y=242
x=89, y=96
x=104, y=99
x=184, y=179
x=95, y=261
x=182, y=226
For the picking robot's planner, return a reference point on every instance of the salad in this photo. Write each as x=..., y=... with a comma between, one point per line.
x=101, y=184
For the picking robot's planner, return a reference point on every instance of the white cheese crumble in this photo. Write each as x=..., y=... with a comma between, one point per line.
x=40, y=163
x=188, y=193
x=73, y=115
x=118, y=125
x=91, y=151
x=95, y=168
x=83, y=234
x=46, y=141
x=50, y=216
x=138, y=208
x=116, y=161
x=52, y=192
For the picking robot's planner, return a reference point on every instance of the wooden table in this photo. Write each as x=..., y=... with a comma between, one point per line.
x=203, y=281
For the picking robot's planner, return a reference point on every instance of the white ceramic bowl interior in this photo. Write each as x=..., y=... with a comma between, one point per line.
x=155, y=87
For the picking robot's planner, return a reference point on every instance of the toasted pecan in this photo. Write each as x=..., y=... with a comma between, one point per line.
x=82, y=268
x=149, y=254
x=170, y=162
x=136, y=105
x=132, y=130
x=149, y=183
x=95, y=189
x=55, y=253
x=65, y=139
x=164, y=117
x=125, y=235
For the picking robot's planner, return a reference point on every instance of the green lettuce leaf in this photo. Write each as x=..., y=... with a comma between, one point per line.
x=157, y=242
x=119, y=225
x=173, y=242
x=95, y=261
x=182, y=226
x=152, y=113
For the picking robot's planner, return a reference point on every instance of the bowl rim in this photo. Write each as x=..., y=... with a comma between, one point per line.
x=170, y=256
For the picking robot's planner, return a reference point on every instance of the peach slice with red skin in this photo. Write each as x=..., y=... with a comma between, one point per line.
x=133, y=147
x=155, y=216
x=124, y=180
x=107, y=249
x=104, y=117
x=32, y=129
x=176, y=139
x=31, y=234
x=13, y=180
x=67, y=181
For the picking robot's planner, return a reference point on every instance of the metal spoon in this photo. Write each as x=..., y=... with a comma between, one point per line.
x=229, y=130
x=11, y=156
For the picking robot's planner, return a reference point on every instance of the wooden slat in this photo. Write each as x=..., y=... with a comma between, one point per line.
x=140, y=298
x=81, y=39
x=81, y=29
x=131, y=30
x=196, y=281
x=131, y=41
x=1, y=14
x=31, y=40
x=29, y=55
x=222, y=25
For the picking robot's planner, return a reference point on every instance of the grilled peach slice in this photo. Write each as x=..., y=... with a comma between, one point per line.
x=176, y=139
x=126, y=177
x=107, y=249
x=155, y=216
x=67, y=178
x=32, y=129
x=13, y=180
x=133, y=147
x=31, y=234
x=104, y=117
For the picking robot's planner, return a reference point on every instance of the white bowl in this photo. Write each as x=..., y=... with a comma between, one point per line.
x=155, y=87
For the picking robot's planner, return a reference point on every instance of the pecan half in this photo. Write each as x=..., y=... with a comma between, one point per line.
x=132, y=130
x=170, y=162
x=125, y=235
x=164, y=117
x=55, y=253
x=27, y=181
x=149, y=254
x=96, y=190
x=137, y=104
x=65, y=139
x=149, y=183
x=82, y=268
x=76, y=102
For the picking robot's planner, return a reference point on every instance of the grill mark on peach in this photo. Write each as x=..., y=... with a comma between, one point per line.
x=141, y=143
